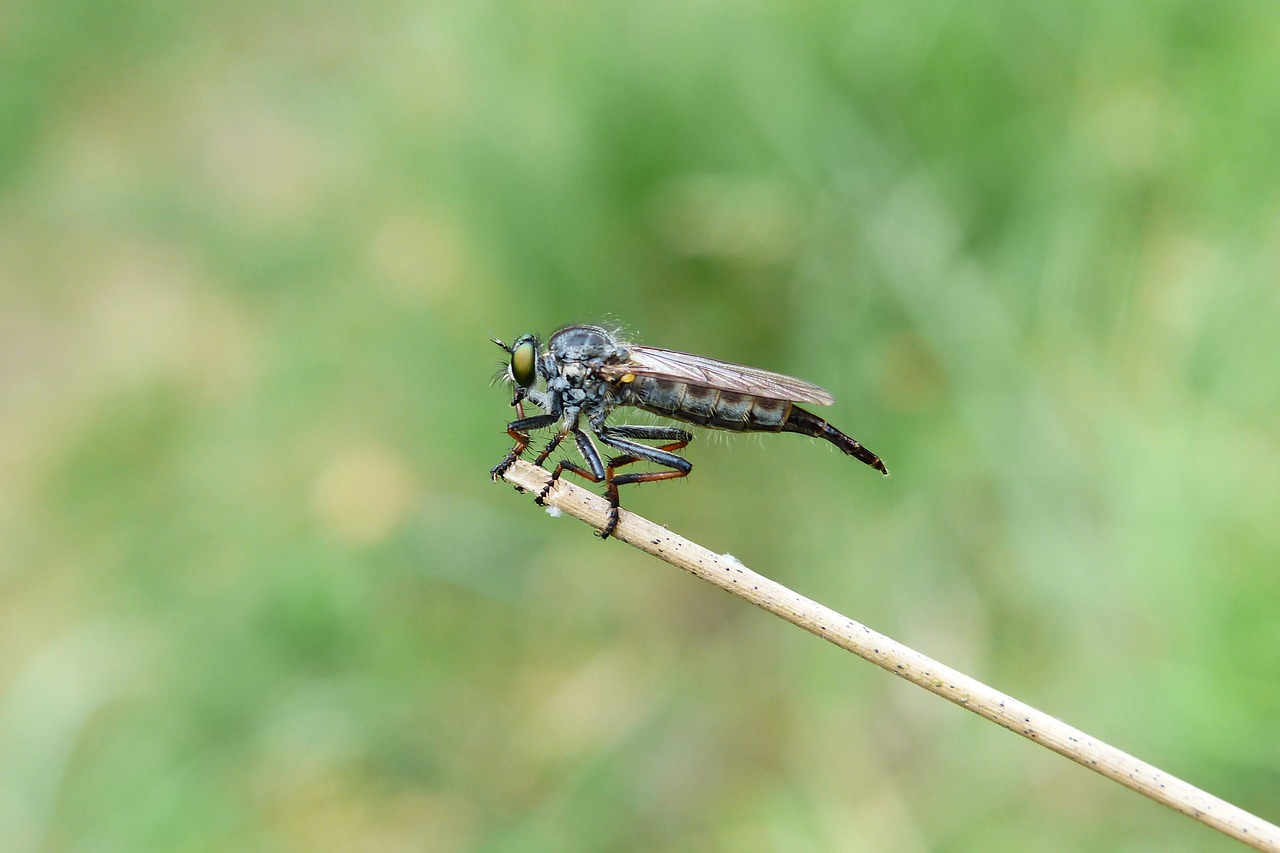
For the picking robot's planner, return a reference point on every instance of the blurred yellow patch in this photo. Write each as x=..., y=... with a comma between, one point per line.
x=362, y=494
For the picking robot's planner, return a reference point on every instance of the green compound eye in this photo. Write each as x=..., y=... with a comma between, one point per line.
x=524, y=357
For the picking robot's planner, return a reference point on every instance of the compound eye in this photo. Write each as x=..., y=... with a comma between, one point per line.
x=524, y=357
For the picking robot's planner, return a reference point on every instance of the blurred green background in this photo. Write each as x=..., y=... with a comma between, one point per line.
x=259, y=594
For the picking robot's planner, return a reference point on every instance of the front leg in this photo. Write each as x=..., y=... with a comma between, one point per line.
x=519, y=431
x=533, y=395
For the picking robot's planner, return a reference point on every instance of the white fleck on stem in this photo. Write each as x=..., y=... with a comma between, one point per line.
x=732, y=576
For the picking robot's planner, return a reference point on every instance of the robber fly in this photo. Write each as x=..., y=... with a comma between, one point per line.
x=586, y=372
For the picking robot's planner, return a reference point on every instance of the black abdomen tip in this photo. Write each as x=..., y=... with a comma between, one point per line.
x=807, y=423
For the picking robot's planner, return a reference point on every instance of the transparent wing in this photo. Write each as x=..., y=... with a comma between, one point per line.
x=713, y=373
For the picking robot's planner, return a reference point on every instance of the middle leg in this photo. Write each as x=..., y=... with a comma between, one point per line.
x=589, y=453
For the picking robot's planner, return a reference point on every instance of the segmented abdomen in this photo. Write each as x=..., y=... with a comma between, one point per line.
x=709, y=407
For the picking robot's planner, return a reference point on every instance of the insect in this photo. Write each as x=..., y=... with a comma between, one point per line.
x=585, y=372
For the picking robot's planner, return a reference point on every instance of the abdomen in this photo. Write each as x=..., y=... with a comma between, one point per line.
x=709, y=407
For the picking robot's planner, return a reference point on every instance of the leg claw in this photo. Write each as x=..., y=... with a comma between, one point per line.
x=610, y=524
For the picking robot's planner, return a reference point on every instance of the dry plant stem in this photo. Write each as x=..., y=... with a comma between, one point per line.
x=1018, y=717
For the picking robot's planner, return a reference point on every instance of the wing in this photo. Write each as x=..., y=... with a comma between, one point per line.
x=712, y=373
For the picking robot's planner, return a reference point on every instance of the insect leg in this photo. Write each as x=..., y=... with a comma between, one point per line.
x=589, y=453
x=633, y=452
x=538, y=398
x=519, y=431
x=661, y=433
x=550, y=448
x=677, y=437
x=642, y=452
